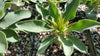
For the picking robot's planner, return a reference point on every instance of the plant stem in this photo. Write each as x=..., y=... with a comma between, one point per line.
x=33, y=51
x=91, y=45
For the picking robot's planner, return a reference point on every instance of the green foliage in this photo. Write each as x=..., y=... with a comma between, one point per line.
x=53, y=20
x=11, y=35
x=42, y=11
x=3, y=42
x=82, y=25
x=77, y=44
x=1, y=8
x=45, y=43
x=13, y=17
x=36, y=26
x=55, y=13
x=67, y=45
x=59, y=22
x=91, y=14
x=70, y=12
x=1, y=54
x=6, y=33
x=83, y=1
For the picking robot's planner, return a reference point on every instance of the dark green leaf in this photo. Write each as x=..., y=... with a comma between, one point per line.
x=77, y=44
x=42, y=11
x=91, y=14
x=3, y=42
x=70, y=12
x=13, y=17
x=83, y=25
x=45, y=43
x=11, y=35
x=67, y=45
x=54, y=12
x=88, y=3
x=36, y=26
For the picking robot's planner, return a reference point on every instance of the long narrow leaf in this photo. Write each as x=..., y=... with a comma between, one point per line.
x=54, y=12
x=67, y=46
x=36, y=26
x=77, y=44
x=45, y=43
x=83, y=25
x=70, y=12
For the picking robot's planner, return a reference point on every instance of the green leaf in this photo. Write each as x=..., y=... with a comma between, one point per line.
x=77, y=44
x=92, y=1
x=1, y=54
x=88, y=3
x=1, y=4
x=3, y=42
x=54, y=12
x=42, y=11
x=36, y=26
x=1, y=8
x=13, y=17
x=11, y=35
x=27, y=1
x=45, y=43
x=83, y=25
x=67, y=45
x=7, y=4
x=2, y=13
x=84, y=1
x=91, y=14
x=70, y=12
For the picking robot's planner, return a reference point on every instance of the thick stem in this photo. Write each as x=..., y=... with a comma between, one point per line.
x=91, y=45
